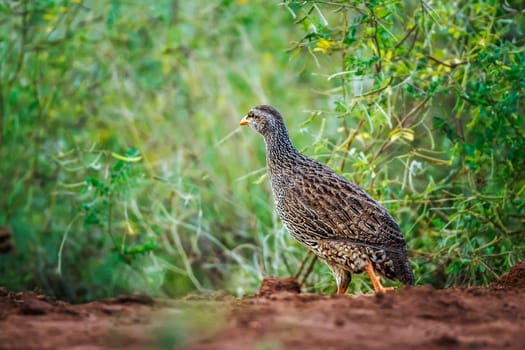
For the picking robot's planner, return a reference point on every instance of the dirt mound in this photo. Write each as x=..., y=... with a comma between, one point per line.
x=515, y=278
x=278, y=318
x=27, y=303
x=273, y=285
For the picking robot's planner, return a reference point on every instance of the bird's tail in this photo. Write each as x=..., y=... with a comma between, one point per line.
x=404, y=270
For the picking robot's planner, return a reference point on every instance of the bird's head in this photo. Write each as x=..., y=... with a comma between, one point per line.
x=265, y=120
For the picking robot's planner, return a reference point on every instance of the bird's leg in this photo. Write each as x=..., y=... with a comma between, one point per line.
x=342, y=289
x=376, y=282
x=342, y=277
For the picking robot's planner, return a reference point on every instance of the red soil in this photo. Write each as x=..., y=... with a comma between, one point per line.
x=278, y=318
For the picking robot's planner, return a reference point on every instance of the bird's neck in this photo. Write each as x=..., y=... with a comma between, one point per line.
x=279, y=148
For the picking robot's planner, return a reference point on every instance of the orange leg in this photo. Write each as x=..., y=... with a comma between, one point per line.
x=341, y=290
x=376, y=282
x=343, y=281
x=342, y=278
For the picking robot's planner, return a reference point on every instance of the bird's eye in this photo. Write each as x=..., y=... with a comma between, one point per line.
x=250, y=115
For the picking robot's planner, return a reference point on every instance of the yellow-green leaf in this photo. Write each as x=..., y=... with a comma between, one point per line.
x=126, y=159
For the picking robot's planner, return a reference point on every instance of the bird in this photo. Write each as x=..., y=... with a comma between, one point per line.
x=333, y=217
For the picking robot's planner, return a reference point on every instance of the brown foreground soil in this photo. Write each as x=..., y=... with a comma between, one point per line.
x=279, y=318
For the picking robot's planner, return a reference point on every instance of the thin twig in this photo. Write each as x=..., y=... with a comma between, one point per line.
x=346, y=144
x=449, y=65
x=308, y=271
x=405, y=37
x=376, y=41
x=303, y=262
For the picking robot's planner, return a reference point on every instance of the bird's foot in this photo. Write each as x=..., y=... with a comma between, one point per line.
x=385, y=289
x=376, y=281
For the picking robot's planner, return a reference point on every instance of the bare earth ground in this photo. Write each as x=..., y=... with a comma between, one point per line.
x=278, y=318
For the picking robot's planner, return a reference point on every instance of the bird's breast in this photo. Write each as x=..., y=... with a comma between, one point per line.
x=279, y=184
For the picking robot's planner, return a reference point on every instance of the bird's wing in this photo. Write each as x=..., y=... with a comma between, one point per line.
x=325, y=205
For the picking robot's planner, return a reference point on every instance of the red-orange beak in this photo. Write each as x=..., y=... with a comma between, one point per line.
x=244, y=121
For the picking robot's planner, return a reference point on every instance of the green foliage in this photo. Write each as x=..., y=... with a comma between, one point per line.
x=81, y=82
x=433, y=93
x=123, y=169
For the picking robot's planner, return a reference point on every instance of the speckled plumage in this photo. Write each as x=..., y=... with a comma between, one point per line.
x=333, y=217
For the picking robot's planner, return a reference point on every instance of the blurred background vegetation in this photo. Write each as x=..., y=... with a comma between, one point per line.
x=123, y=168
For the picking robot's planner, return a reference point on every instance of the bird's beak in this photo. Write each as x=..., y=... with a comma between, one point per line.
x=244, y=121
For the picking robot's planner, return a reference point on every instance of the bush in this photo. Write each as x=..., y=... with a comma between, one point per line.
x=428, y=102
x=121, y=167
